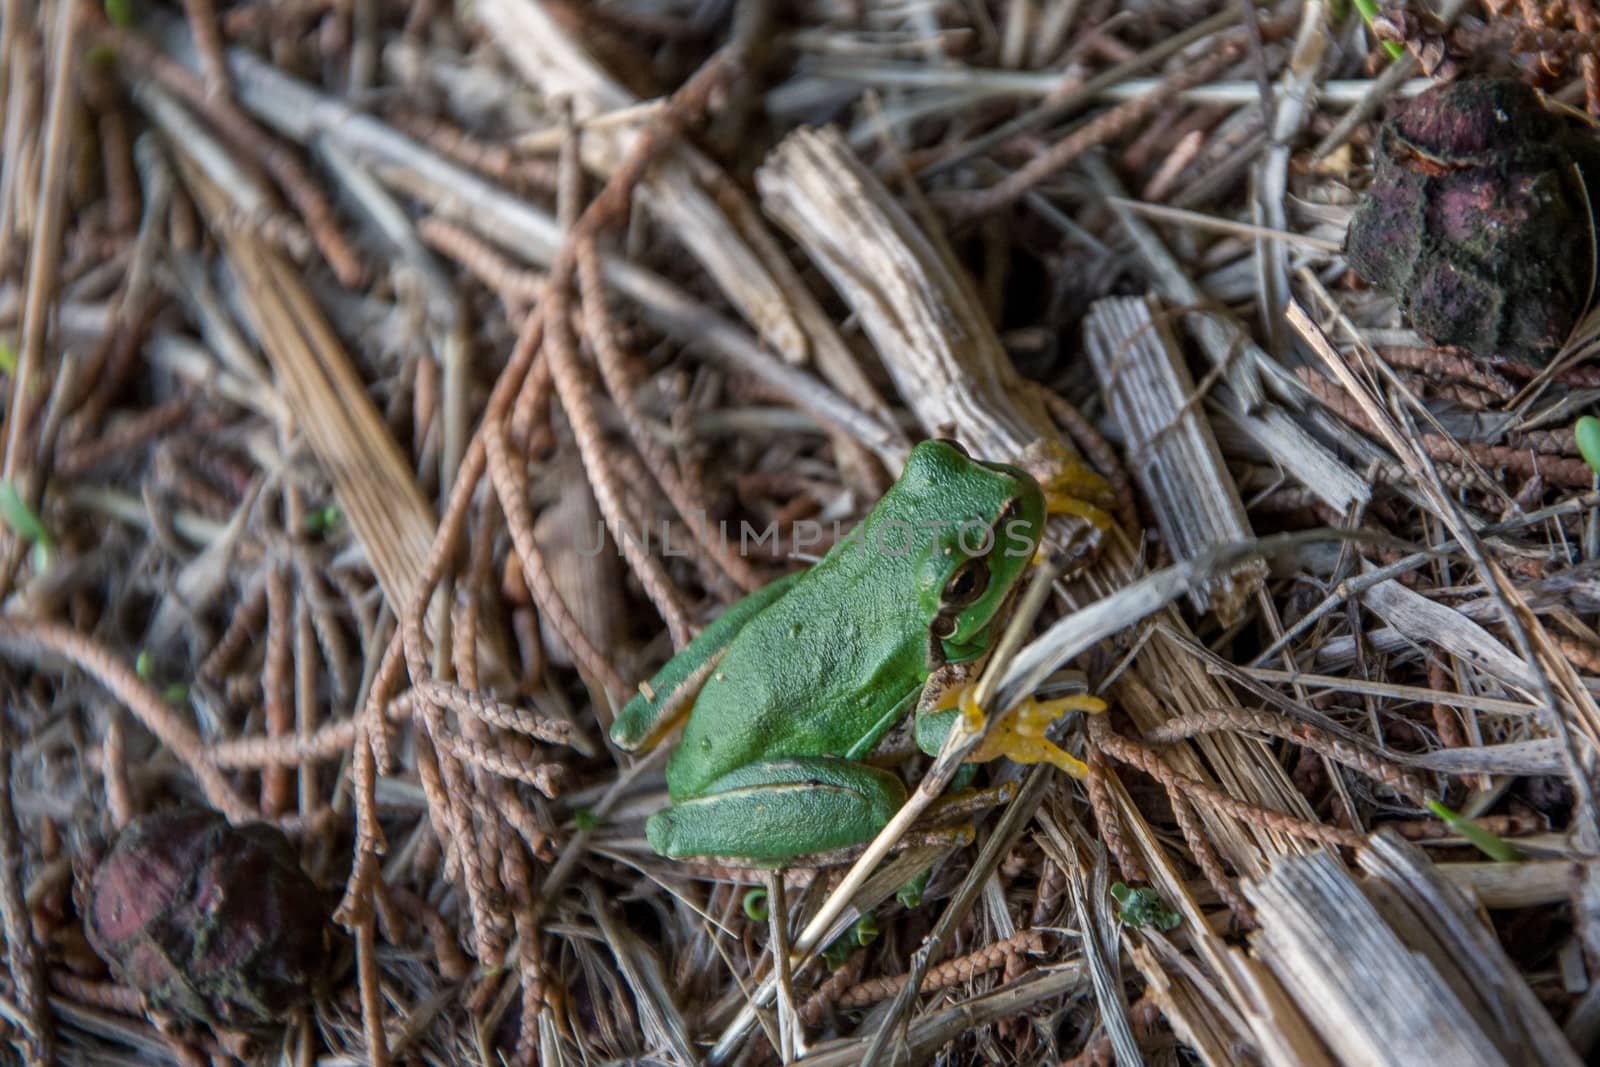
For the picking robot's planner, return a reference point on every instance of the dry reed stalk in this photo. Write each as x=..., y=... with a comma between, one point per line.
x=371, y=477
x=44, y=250
x=1176, y=459
x=1381, y=1005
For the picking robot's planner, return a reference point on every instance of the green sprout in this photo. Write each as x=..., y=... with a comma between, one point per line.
x=1587, y=434
x=1369, y=11
x=26, y=524
x=323, y=519
x=910, y=894
x=8, y=356
x=119, y=13
x=755, y=905
x=1494, y=846
x=584, y=819
x=144, y=665
x=862, y=934
x=1143, y=907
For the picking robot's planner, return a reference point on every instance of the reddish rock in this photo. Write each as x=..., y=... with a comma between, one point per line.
x=1477, y=220
x=212, y=922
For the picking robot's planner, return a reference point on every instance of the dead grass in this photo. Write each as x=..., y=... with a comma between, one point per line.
x=335, y=334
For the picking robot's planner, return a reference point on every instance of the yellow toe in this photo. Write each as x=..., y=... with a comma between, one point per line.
x=1020, y=737
x=1058, y=503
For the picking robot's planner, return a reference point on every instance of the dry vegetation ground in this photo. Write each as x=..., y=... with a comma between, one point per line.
x=340, y=325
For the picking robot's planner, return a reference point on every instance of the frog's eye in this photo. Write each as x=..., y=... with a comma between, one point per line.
x=965, y=585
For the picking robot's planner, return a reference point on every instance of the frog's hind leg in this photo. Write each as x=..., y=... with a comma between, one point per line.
x=780, y=809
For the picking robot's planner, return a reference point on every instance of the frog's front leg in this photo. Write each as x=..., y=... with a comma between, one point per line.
x=1071, y=486
x=779, y=809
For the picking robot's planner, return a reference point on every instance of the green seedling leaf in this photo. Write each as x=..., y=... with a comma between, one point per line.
x=100, y=55
x=119, y=13
x=755, y=905
x=1587, y=432
x=910, y=894
x=862, y=934
x=1494, y=846
x=1143, y=907
x=584, y=819
x=323, y=519
x=176, y=693
x=835, y=954
x=8, y=356
x=143, y=664
x=1369, y=11
x=26, y=524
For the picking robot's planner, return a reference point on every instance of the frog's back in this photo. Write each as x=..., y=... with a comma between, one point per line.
x=826, y=669
x=845, y=670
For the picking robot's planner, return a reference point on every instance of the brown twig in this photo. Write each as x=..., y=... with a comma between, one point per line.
x=23, y=962
x=1108, y=126
x=1098, y=451
x=1206, y=858
x=240, y=131
x=1105, y=817
x=114, y=771
x=517, y=287
x=34, y=641
x=277, y=688
x=208, y=42
x=949, y=973
x=685, y=497
x=1133, y=753
x=1144, y=1016
x=1445, y=722
x=1214, y=719
x=1556, y=470
x=1445, y=363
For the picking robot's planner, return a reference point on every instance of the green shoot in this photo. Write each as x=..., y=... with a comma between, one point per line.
x=1492, y=845
x=1587, y=433
x=26, y=524
x=1369, y=11
x=119, y=13
x=1143, y=907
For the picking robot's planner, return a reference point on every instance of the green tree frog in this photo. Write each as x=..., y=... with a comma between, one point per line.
x=785, y=697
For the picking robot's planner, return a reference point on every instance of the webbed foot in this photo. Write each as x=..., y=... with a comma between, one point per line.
x=1072, y=487
x=1020, y=737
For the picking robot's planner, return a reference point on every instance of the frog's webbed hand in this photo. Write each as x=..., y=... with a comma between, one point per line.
x=1020, y=735
x=1072, y=487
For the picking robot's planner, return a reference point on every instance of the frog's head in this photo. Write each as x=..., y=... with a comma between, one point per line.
x=989, y=519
